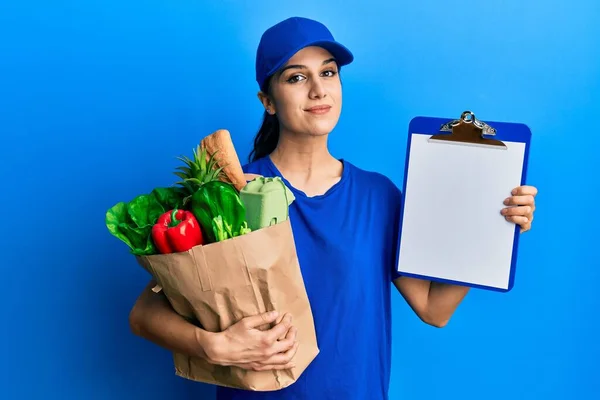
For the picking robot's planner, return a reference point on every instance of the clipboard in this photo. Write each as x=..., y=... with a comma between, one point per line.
x=457, y=175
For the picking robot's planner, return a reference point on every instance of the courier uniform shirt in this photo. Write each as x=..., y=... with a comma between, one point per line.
x=346, y=243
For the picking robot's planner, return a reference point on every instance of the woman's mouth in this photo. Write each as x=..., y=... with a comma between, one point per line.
x=318, y=109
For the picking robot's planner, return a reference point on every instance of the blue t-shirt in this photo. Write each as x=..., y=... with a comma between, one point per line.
x=346, y=243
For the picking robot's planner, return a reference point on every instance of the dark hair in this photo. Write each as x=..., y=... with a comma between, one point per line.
x=268, y=135
x=267, y=138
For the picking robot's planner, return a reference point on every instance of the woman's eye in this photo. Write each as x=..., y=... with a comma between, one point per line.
x=298, y=78
x=294, y=79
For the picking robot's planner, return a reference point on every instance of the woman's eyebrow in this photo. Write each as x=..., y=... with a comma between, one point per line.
x=299, y=66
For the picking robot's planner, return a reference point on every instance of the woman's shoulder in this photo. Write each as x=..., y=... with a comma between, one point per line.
x=255, y=167
x=373, y=179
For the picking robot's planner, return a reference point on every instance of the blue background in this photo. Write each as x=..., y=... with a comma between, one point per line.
x=97, y=98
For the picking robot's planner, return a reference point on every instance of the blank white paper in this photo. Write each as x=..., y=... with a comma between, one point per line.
x=452, y=227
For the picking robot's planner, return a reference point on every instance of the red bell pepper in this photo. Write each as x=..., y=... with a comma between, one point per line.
x=176, y=231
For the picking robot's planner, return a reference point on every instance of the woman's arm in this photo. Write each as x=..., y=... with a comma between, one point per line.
x=243, y=344
x=433, y=302
x=153, y=318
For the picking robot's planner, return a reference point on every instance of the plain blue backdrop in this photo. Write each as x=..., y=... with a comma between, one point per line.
x=98, y=98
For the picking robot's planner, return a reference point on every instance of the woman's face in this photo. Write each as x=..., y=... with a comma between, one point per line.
x=307, y=93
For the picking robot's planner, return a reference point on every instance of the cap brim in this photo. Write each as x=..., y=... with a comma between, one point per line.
x=342, y=54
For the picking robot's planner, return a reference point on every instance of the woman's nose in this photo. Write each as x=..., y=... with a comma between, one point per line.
x=317, y=89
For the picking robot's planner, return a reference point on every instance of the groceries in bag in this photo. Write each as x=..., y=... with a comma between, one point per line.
x=243, y=263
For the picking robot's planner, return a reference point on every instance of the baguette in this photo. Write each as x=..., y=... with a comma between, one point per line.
x=220, y=143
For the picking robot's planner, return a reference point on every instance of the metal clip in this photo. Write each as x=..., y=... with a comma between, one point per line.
x=468, y=117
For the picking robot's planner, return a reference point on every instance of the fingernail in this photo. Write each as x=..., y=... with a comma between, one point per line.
x=273, y=314
x=514, y=191
x=506, y=201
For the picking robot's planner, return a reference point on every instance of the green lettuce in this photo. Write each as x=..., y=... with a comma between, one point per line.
x=132, y=221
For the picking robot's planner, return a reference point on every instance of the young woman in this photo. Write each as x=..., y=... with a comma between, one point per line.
x=345, y=222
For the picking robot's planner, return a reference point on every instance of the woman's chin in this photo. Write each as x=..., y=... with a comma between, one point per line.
x=322, y=128
x=319, y=132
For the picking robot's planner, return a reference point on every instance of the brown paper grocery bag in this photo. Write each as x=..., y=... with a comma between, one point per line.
x=220, y=283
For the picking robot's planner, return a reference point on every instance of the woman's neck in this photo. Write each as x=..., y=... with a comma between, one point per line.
x=302, y=155
x=307, y=163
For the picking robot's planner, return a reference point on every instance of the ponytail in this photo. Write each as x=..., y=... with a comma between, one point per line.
x=267, y=138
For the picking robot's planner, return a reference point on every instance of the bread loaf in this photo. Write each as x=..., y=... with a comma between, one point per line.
x=220, y=143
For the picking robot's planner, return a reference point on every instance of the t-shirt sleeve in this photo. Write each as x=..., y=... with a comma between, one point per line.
x=396, y=202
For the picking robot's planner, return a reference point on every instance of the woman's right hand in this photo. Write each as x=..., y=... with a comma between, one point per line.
x=244, y=345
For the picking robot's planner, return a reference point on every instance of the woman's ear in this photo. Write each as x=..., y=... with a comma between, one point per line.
x=266, y=102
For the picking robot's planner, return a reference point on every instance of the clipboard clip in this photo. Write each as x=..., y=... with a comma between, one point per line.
x=468, y=130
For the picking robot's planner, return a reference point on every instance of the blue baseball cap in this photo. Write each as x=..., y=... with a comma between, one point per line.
x=281, y=41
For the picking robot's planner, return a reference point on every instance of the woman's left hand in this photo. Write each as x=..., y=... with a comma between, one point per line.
x=521, y=206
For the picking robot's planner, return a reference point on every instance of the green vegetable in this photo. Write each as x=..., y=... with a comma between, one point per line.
x=221, y=213
x=132, y=222
x=170, y=197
